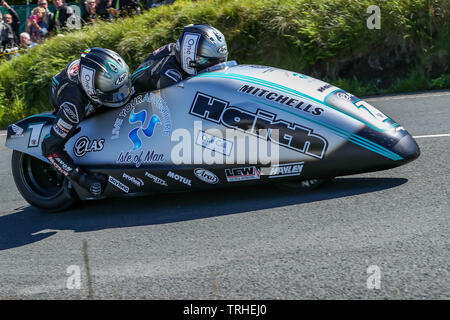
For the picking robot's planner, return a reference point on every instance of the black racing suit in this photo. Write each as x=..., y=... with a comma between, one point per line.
x=159, y=70
x=72, y=105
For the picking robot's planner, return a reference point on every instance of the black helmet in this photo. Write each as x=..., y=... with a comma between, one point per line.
x=105, y=77
x=200, y=46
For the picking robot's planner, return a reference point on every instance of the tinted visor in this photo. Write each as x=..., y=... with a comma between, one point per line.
x=204, y=62
x=117, y=97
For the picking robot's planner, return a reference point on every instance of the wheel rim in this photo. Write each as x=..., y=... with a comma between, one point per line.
x=41, y=177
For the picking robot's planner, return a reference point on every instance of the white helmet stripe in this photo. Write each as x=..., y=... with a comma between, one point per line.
x=189, y=51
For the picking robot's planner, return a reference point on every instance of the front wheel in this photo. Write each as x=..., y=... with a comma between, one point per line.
x=40, y=184
x=304, y=185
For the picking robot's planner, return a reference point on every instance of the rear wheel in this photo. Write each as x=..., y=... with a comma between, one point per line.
x=304, y=185
x=40, y=184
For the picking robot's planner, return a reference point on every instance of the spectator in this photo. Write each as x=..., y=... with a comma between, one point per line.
x=36, y=27
x=12, y=19
x=130, y=7
x=91, y=12
x=49, y=16
x=107, y=9
x=149, y=4
x=61, y=14
x=25, y=41
x=6, y=35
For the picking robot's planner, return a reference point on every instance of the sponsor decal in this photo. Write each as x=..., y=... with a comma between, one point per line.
x=73, y=69
x=214, y=143
x=70, y=111
x=282, y=99
x=64, y=125
x=121, y=78
x=174, y=74
x=118, y=184
x=206, y=176
x=242, y=174
x=18, y=131
x=87, y=80
x=290, y=135
x=257, y=66
x=84, y=145
x=141, y=117
x=161, y=105
x=156, y=179
x=223, y=50
x=344, y=95
x=59, y=165
x=189, y=51
x=123, y=114
x=59, y=131
x=283, y=170
x=299, y=75
x=179, y=178
x=158, y=105
x=136, y=181
x=126, y=157
x=325, y=87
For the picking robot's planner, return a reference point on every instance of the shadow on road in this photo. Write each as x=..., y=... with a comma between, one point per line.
x=25, y=226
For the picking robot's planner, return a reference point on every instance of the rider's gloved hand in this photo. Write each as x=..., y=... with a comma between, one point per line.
x=95, y=183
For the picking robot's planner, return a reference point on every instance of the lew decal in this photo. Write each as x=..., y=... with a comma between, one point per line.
x=242, y=174
x=262, y=123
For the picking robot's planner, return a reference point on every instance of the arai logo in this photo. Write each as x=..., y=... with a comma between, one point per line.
x=206, y=176
x=223, y=50
x=121, y=78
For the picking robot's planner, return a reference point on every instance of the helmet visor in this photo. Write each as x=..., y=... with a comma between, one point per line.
x=205, y=62
x=116, y=98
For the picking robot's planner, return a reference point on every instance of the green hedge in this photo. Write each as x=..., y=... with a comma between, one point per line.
x=326, y=39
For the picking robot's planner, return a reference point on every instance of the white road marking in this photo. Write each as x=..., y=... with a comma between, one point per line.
x=433, y=136
x=411, y=96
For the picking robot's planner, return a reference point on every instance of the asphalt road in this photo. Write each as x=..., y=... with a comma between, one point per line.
x=257, y=243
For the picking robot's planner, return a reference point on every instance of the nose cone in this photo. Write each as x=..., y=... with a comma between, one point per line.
x=407, y=148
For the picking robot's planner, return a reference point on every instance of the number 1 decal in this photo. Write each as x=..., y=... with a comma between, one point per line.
x=35, y=135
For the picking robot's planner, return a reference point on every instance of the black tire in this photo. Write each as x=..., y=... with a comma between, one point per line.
x=40, y=184
x=304, y=185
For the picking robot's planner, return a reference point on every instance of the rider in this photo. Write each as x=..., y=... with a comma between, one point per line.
x=200, y=46
x=99, y=77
